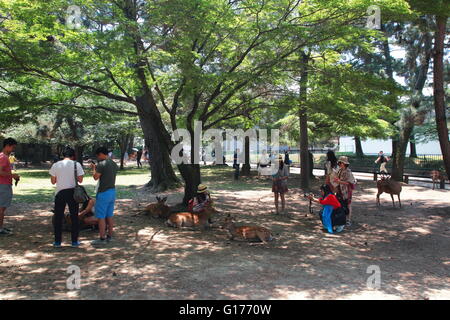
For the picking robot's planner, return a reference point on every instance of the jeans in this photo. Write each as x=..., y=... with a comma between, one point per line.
x=63, y=198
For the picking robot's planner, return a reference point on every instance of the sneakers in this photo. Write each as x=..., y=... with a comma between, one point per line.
x=56, y=244
x=99, y=242
x=349, y=223
x=76, y=244
x=339, y=228
x=109, y=239
x=5, y=231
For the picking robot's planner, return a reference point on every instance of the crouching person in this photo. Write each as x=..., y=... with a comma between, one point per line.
x=87, y=214
x=331, y=215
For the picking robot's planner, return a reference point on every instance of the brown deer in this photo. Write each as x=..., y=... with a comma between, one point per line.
x=437, y=177
x=248, y=233
x=190, y=219
x=159, y=209
x=389, y=186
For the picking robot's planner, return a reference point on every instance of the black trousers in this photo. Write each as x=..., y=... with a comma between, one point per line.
x=139, y=164
x=63, y=198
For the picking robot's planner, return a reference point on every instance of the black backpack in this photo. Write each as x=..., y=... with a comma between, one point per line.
x=339, y=217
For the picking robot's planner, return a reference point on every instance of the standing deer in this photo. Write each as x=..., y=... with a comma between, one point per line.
x=389, y=186
x=249, y=233
x=191, y=220
x=437, y=176
x=159, y=209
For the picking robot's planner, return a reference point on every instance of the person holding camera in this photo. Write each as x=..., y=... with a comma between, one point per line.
x=332, y=219
x=105, y=173
x=62, y=174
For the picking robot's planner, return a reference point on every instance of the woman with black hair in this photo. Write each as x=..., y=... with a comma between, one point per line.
x=279, y=184
x=331, y=168
x=332, y=218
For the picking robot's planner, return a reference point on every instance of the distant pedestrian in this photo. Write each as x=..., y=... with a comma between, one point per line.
x=382, y=160
x=63, y=174
x=6, y=178
x=138, y=157
x=105, y=173
x=12, y=161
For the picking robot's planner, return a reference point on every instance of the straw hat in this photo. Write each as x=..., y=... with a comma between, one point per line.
x=201, y=188
x=343, y=159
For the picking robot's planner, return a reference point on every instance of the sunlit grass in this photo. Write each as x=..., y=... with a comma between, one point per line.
x=35, y=185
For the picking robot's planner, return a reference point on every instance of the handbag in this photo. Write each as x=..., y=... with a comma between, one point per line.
x=79, y=194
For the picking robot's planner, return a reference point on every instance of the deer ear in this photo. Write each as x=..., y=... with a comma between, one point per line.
x=157, y=198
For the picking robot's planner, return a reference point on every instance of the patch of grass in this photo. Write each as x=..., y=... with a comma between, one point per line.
x=35, y=185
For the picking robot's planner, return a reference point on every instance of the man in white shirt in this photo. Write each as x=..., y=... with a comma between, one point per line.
x=63, y=175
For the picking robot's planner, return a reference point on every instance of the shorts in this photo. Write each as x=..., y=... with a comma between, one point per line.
x=279, y=187
x=6, y=195
x=104, y=204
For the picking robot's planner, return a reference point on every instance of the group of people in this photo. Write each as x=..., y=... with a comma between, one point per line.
x=99, y=211
x=66, y=175
x=138, y=156
x=336, y=193
x=340, y=181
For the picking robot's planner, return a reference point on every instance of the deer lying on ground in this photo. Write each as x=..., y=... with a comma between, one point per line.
x=437, y=176
x=191, y=220
x=389, y=186
x=159, y=209
x=248, y=233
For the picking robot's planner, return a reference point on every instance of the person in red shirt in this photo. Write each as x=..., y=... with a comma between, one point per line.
x=330, y=204
x=6, y=178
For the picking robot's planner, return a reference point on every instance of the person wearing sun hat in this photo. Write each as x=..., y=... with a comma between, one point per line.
x=201, y=199
x=346, y=183
x=279, y=184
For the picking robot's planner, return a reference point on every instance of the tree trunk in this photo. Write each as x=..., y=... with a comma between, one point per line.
x=412, y=147
x=358, y=147
x=162, y=174
x=303, y=117
x=398, y=162
x=123, y=143
x=245, y=171
x=192, y=178
x=439, y=94
x=311, y=164
x=79, y=153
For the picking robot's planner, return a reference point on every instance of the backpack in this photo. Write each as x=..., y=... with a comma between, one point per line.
x=338, y=217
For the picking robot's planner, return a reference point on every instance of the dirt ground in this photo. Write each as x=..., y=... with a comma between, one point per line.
x=411, y=246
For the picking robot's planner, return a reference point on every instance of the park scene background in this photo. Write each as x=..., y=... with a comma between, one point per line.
x=348, y=76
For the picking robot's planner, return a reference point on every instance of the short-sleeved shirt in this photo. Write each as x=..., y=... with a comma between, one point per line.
x=64, y=171
x=5, y=165
x=108, y=170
